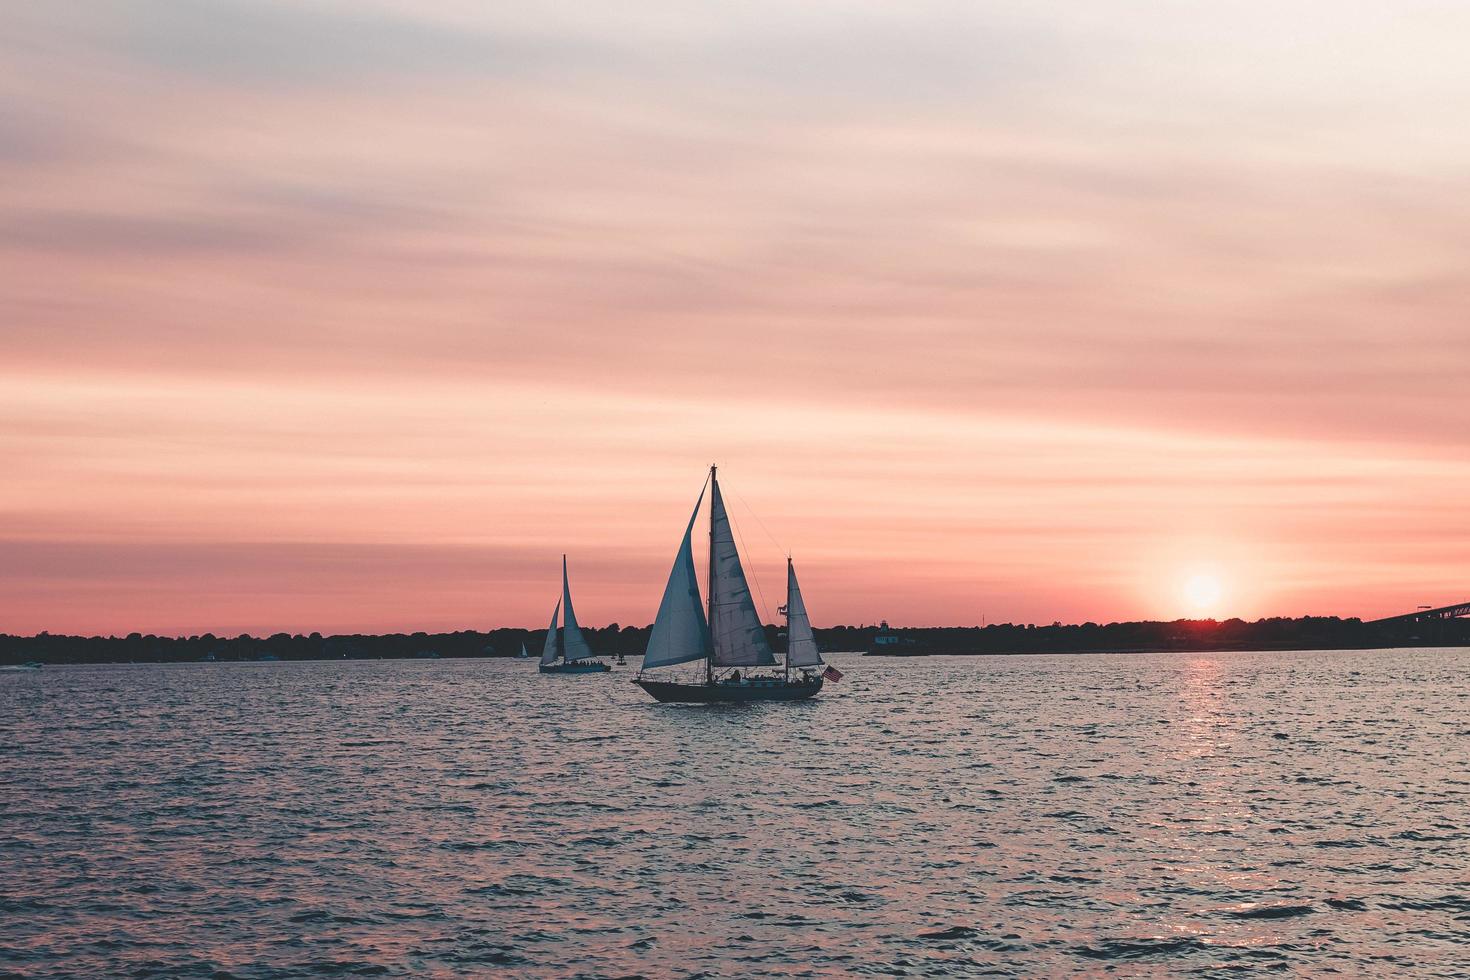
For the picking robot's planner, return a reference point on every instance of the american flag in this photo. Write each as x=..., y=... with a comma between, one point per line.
x=832, y=673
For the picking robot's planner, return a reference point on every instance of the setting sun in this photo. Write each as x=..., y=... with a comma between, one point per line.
x=1203, y=591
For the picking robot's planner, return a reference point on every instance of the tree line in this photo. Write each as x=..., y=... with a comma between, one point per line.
x=1303, y=633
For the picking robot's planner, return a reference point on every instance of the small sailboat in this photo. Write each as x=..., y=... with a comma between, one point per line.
x=523, y=655
x=568, y=652
x=726, y=636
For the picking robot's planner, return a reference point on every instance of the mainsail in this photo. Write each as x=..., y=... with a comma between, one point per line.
x=739, y=638
x=574, y=647
x=801, y=644
x=680, y=633
x=548, y=652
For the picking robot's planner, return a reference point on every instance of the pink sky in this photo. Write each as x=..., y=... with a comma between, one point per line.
x=355, y=316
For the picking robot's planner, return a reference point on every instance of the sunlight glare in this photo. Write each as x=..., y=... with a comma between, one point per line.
x=1203, y=591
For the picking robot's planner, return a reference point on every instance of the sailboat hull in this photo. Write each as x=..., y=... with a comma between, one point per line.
x=671, y=693
x=575, y=668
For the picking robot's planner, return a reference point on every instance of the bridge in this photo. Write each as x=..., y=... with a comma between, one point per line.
x=1425, y=615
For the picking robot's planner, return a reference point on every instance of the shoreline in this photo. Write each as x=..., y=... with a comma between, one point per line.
x=1190, y=651
x=1314, y=633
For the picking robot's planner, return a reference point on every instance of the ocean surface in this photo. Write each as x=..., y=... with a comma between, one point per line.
x=1137, y=814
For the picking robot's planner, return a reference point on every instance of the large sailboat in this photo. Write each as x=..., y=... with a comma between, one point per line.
x=567, y=653
x=725, y=638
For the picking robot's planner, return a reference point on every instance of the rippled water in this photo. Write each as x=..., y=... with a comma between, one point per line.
x=1024, y=815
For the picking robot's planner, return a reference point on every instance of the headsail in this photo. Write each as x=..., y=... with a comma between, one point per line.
x=549, y=652
x=680, y=633
x=801, y=643
x=739, y=638
x=574, y=647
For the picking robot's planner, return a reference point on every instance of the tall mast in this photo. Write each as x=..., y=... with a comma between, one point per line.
x=786, y=670
x=709, y=668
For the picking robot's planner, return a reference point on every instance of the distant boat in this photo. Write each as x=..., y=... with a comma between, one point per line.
x=523, y=655
x=728, y=638
x=567, y=653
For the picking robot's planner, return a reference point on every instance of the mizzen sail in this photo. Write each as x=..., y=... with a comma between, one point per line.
x=801, y=643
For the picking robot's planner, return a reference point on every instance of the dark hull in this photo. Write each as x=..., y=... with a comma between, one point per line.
x=671, y=693
x=583, y=668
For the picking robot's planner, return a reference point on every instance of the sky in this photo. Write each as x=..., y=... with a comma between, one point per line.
x=355, y=316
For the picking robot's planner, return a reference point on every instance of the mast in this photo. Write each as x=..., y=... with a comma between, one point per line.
x=709, y=669
x=786, y=667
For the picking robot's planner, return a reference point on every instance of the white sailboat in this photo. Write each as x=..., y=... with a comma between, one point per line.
x=726, y=635
x=523, y=655
x=567, y=652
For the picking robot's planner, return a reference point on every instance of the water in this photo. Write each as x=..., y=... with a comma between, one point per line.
x=1302, y=811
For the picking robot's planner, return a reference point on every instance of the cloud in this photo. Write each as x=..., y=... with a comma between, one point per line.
x=131, y=234
x=972, y=293
x=281, y=45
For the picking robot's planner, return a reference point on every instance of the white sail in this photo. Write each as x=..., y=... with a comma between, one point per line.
x=739, y=638
x=574, y=647
x=548, y=652
x=680, y=633
x=801, y=643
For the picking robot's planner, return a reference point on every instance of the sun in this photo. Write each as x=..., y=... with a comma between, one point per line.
x=1203, y=591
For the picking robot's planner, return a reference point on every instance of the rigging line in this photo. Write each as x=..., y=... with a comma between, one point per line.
x=765, y=609
x=751, y=511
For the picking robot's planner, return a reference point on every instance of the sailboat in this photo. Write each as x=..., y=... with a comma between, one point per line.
x=567, y=653
x=725, y=635
x=523, y=655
